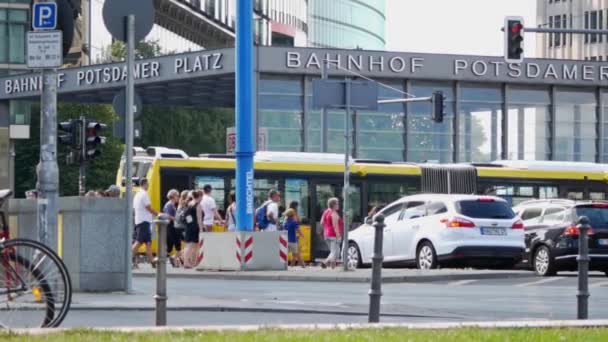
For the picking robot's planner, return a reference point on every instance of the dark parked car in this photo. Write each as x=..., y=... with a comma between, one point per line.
x=551, y=234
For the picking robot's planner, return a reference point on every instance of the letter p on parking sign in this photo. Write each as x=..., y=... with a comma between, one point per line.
x=44, y=16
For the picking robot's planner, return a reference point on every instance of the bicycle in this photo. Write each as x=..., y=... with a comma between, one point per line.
x=35, y=287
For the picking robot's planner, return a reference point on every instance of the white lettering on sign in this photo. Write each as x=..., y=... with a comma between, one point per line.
x=250, y=206
x=199, y=63
x=144, y=70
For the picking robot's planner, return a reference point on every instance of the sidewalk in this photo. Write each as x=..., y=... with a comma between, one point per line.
x=317, y=274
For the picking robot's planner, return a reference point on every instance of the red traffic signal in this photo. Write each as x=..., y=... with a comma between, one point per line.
x=514, y=39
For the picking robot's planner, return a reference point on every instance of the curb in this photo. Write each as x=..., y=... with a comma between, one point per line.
x=356, y=326
x=339, y=279
x=253, y=310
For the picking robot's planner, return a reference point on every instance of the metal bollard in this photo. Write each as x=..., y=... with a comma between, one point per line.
x=161, y=273
x=375, y=291
x=583, y=259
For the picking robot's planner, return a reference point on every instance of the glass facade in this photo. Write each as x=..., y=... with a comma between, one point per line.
x=541, y=122
x=347, y=24
x=13, y=25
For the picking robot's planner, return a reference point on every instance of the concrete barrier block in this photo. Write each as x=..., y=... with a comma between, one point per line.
x=268, y=251
x=248, y=251
x=218, y=251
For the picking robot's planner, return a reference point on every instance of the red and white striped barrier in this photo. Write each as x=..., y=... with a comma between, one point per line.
x=243, y=251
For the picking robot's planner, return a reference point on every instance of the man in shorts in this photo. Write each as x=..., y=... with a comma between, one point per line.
x=144, y=215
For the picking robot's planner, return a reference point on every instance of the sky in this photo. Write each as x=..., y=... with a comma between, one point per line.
x=455, y=26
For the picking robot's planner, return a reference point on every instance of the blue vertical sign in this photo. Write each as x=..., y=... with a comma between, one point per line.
x=44, y=16
x=245, y=147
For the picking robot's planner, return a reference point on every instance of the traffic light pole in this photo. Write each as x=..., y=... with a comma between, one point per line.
x=130, y=22
x=82, y=176
x=48, y=170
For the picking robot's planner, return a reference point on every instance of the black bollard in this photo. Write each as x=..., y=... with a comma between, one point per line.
x=161, y=273
x=582, y=295
x=375, y=291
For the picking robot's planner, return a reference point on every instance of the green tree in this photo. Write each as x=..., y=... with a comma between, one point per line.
x=100, y=173
x=194, y=130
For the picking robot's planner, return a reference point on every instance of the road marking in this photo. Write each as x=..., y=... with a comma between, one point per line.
x=600, y=284
x=538, y=282
x=461, y=282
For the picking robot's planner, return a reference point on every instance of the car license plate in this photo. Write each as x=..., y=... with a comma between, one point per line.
x=493, y=231
x=602, y=242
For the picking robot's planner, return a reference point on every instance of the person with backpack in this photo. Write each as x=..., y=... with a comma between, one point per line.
x=267, y=215
x=332, y=231
x=170, y=212
x=180, y=227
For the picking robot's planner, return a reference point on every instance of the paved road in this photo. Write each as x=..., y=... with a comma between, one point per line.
x=196, y=301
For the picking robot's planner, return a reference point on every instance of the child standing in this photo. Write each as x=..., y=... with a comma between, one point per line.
x=293, y=235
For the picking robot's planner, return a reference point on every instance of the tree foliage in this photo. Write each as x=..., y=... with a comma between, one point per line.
x=100, y=173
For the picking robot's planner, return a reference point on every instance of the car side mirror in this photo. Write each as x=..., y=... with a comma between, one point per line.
x=368, y=220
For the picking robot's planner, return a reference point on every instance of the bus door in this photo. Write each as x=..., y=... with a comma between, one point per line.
x=322, y=192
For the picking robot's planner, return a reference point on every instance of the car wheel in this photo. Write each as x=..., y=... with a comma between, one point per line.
x=354, y=256
x=426, y=258
x=543, y=262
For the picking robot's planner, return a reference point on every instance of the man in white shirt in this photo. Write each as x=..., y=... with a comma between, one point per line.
x=272, y=210
x=209, y=209
x=144, y=215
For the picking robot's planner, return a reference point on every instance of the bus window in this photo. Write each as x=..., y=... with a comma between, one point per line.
x=261, y=189
x=575, y=195
x=548, y=192
x=297, y=190
x=217, y=183
x=514, y=194
x=381, y=194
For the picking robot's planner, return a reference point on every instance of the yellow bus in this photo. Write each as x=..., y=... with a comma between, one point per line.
x=312, y=178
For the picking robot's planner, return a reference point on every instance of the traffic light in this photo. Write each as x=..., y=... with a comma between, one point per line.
x=514, y=39
x=92, y=140
x=437, y=101
x=70, y=133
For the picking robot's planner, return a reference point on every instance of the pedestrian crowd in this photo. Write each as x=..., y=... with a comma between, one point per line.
x=193, y=212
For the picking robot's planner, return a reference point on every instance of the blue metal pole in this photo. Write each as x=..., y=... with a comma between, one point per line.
x=245, y=147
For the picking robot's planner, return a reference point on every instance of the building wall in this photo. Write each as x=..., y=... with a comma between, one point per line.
x=14, y=115
x=577, y=14
x=347, y=24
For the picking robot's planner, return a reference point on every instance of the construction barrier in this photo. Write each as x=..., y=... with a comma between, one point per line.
x=243, y=251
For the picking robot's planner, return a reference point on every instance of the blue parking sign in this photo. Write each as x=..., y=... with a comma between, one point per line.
x=44, y=16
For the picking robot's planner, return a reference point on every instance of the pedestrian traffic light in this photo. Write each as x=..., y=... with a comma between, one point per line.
x=438, y=102
x=514, y=39
x=93, y=140
x=69, y=133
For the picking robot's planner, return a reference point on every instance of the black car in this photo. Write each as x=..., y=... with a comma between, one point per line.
x=551, y=234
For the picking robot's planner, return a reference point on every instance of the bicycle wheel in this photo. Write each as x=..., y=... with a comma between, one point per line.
x=35, y=287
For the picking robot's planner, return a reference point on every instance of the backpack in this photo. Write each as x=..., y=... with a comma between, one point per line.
x=261, y=216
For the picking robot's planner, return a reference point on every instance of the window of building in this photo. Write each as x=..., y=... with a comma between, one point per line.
x=550, y=34
x=557, y=23
x=280, y=111
x=575, y=125
x=593, y=25
x=586, y=26
x=593, y=58
x=427, y=140
x=380, y=133
x=600, y=22
x=13, y=25
x=529, y=123
x=604, y=113
x=480, y=123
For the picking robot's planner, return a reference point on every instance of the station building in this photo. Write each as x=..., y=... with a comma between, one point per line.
x=538, y=110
